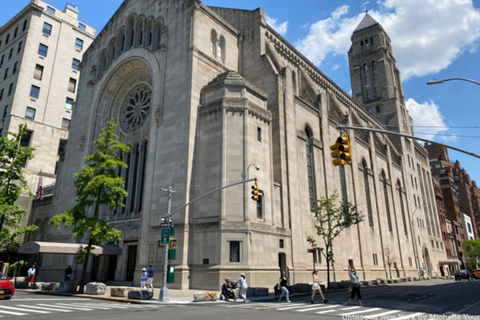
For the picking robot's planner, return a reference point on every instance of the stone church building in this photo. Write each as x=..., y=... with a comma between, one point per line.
x=204, y=94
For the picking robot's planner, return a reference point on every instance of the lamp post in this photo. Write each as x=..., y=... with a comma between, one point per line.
x=245, y=174
x=450, y=79
x=415, y=248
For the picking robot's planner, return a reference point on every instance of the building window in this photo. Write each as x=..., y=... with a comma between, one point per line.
x=310, y=169
x=72, y=84
x=369, y=110
x=365, y=74
x=20, y=45
x=34, y=92
x=79, y=44
x=82, y=26
x=259, y=134
x=69, y=103
x=281, y=244
x=10, y=89
x=1, y=60
x=62, y=148
x=30, y=113
x=26, y=139
x=375, y=259
x=379, y=109
x=65, y=124
x=15, y=33
x=402, y=207
x=75, y=64
x=50, y=9
x=234, y=251
x=7, y=39
x=24, y=25
x=38, y=74
x=387, y=202
x=15, y=67
x=47, y=29
x=1, y=94
x=6, y=74
x=366, y=183
x=42, y=50
x=10, y=54
x=5, y=112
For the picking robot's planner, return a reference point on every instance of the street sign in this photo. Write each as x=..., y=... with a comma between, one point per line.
x=165, y=237
x=164, y=225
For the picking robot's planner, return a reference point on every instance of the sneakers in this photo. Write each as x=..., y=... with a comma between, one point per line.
x=288, y=301
x=312, y=302
x=325, y=301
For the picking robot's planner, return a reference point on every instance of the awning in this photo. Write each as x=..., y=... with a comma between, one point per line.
x=450, y=262
x=65, y=248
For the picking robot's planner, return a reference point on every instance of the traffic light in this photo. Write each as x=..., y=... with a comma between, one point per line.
x=172, y=243
x=341, y=151
x=255, y=192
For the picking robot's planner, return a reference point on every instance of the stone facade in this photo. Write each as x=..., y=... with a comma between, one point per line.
x=201, y=94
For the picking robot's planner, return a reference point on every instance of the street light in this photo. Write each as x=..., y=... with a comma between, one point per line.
x=246, y=174
x=450, y=79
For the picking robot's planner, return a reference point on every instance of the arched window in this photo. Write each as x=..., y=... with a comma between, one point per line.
x=402, y=207
x=387, y=202
x=103, y=61
x=213, y=43
x=139, y=32
x=111, y=51
x=371, y=41
x=144, y=150
x=310, y=168
x=130, y=33
x=367, y=44
x=121, y=41
x=366, y=183
x=362, y=45
x=221, y=49
x=148, y=33
x=157, y=36
x=365, y=74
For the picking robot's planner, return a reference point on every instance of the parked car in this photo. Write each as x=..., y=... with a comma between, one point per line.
x=476, y=274
x=6, y=287
x=463, y=274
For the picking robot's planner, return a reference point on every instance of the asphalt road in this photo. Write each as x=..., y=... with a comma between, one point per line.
x=416, y=301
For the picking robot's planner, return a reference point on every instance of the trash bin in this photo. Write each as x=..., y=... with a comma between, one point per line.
x=171, y=274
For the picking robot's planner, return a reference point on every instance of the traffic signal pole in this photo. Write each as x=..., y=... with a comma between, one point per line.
x=164, y=290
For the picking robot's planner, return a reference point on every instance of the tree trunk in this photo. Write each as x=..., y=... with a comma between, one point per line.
x=83, y=280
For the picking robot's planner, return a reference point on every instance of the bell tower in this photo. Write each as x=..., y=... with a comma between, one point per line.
x=375, y=79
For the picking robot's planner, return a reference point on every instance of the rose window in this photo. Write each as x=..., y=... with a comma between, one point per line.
x=136, y=109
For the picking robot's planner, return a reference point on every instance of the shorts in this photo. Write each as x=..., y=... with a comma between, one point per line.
x=149, y=281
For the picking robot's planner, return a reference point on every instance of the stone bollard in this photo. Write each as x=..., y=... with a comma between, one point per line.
x=96, y=288
x=119, y=292
x=205, y=296
x=140, y=294
x=68, y=286
x=51, y=287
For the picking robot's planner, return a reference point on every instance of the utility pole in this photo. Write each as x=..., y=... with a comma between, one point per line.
x=164, y=291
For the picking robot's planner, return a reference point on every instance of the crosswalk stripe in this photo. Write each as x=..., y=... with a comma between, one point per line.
x=47, y=307
x=413, y=315
x=81, y=305
x=326, y=311
x=316, y=308
x=361, y=311
x=381, y=314
x=296, y=306
x=59, y=307
x=23, y=309
x=349, y=308
x=13, y=312
x=70, y=307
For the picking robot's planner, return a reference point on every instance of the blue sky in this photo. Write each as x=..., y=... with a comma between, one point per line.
x=431, y=39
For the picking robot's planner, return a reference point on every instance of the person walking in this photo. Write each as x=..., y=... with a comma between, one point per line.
x=31, y=275
x=316, y=287
x=242, y=282
x=354, y=286
x=68, y=273
x=282, y=284
x=150, y=273
x=143, y=279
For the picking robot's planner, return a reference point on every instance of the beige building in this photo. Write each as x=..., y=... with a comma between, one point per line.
x=202, y=94
x=40, y=53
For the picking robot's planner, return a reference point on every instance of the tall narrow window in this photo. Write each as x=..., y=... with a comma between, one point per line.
x=310, y=169
x=213, y=43
x=75, y=64
x=367, y=193
x=69, y=103
x=30, y=113
x=15, y=67
x=367, y=77
x=79, y=44
x=142, y=175
x=387, y=203
x=20, y=45
x=260, y=205
x=42, y=50
x=1, y=94
x=10, y=89
x=38, y=74
x=402, y=207
x=65, y=124
x=34, y=92
x=234, y=251
x=47, y=29
x=72, y=84
x=259, y=134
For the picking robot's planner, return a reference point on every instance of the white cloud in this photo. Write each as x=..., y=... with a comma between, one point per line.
x=426, y=35
x=427, y=120
x=281, y=28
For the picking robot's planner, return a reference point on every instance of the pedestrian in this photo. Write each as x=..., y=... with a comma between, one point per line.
x=150, y=273
x=282, y=284
x=143, y=279
x=354, y=286
x=316, y=287
x=68, y=273
x=31, y=275
x=243, y=287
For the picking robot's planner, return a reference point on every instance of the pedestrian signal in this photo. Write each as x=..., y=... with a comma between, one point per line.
x=341, y=151
x=255, y=192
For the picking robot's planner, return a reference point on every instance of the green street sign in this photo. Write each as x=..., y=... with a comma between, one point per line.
x=165, y=236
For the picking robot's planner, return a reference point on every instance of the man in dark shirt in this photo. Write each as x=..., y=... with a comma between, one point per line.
x=150, y=272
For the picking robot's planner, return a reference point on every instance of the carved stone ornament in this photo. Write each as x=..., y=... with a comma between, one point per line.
x=136, y=108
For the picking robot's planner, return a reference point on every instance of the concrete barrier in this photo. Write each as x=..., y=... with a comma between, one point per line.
x=68, y=286
x=96, y=288
x=205, y=296
x=50, y=287
x=140, y=294
x=119, y=292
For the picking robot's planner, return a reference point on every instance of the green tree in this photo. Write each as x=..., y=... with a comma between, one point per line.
x=472, y=252
x=331, y=218
x=12, y=182
x=98, y=184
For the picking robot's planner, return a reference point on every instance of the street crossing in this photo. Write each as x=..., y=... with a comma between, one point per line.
x=332, y=309
x=53, y=308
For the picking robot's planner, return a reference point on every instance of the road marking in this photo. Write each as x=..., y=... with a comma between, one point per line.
x=47, y=307
x=413, y=315
x=326, y=311
x=81, y=305
x=69, y=307
x=293, y=307
x=316, y=308
x=361, y=311
x=14, y=313
x=350, y=308
x=23, y=309
x=373, y=316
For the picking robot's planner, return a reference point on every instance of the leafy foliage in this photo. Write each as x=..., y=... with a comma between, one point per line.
x=12, y=182
x=331, y=218
x=472, y=252
x=97, y=185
